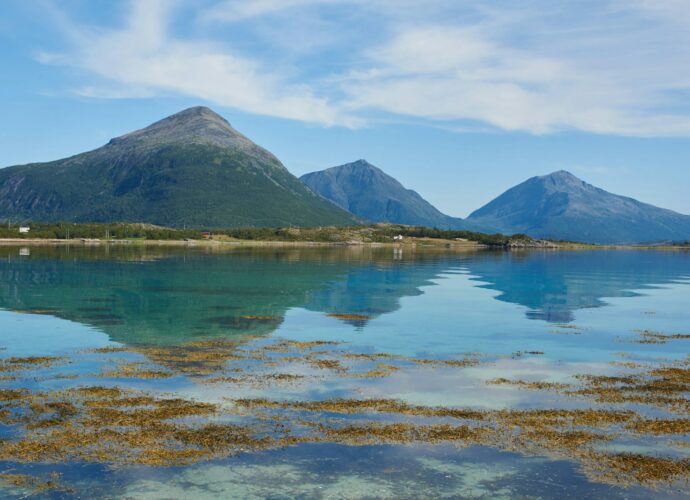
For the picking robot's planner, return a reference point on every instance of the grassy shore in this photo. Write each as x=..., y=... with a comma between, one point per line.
x=373, y=235
x=225, y=242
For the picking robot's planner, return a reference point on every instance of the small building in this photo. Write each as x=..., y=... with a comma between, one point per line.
x=24, y=229
x=398, y=237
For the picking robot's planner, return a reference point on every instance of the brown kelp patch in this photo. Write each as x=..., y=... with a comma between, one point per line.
x=662, y=426
x=651, y=337
x=432, y=362
x=259, y=363
x=349, y=316
x=118, y=426
x=34, y=484
x=664, y=385
x=195, y=359
x=574, y=434
x=16, y=363
x=359, y=406
x=135, y=370
x=525, y=384
x=402, y=433
x=637, y=468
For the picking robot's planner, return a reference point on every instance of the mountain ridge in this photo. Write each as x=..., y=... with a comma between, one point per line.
x=561, y=206
x=190, y=168
x=194, y=169
x=368, y=192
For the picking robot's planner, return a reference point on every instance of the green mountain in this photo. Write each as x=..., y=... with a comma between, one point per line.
x=561, y=206
x=371, y=194
x=191, y=168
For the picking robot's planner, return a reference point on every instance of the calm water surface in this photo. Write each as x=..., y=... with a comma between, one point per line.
x=530, y=316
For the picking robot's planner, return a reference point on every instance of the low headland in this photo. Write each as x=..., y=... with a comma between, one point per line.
x=372, y=235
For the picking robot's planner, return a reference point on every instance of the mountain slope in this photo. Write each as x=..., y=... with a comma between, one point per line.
x=191, y=168
x=371, y=194
x=561, y=206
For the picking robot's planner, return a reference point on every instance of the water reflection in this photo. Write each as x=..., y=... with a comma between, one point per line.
x=434, y=303
x=171, y=295
x=164, y=295
x=553, y=285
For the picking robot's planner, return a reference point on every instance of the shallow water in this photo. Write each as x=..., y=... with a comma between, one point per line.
x=521, y=316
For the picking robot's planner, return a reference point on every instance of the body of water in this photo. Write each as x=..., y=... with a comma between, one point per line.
x=151, y=372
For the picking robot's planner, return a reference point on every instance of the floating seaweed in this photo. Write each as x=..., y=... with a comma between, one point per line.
x=119, y=426
x=349, y=316
x=34, y=484
x=650, y=337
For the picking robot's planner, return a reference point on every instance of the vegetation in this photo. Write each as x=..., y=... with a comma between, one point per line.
x=381, y=233
x=63, y=230
x=120, y=425
x=172, y=185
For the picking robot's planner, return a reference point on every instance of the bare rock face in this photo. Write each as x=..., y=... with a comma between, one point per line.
x=559, y=206
x=198, y=125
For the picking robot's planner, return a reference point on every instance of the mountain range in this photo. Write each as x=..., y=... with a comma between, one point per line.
x=371, y=194
x=194, y=169
x=561, y=206
x=191, y=168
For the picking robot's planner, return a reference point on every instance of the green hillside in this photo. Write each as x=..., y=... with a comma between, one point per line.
x=189, y=169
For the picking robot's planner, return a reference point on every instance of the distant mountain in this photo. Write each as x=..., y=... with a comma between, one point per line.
x=561, y=206
x=191, y=168
x=371, y=194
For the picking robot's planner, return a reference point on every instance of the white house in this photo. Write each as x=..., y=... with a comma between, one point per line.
x=24, y=229
x=398, y=237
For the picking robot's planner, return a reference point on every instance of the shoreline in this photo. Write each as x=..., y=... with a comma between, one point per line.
x=430, y=243
x=214, y=243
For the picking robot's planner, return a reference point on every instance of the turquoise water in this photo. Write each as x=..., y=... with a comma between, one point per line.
x=571, y=312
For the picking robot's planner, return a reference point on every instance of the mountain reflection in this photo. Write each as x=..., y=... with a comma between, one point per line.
x=173, y=295
x=553, y=285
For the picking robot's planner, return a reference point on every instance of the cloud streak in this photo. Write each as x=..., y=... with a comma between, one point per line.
x=143, y=57
x=606, y=67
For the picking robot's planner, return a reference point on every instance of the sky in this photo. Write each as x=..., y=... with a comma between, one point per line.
x=459, y=100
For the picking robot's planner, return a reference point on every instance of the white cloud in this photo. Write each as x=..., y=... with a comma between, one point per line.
x=610, y=67
x=143, y=57
x=618, y=71
x=233, y=10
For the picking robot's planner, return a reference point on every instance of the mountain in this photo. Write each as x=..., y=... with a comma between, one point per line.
x=561, y=206
x=373, y=195
x=191, y=168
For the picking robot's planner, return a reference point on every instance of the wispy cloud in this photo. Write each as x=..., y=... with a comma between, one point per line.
x=609, y=67
x=143, y=56
x=233, y=11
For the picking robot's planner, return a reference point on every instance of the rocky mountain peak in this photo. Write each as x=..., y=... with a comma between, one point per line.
x=195, y=125
x=370, y=193
x=562, y=180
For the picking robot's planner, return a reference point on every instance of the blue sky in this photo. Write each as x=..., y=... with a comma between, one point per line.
x=457, y=99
